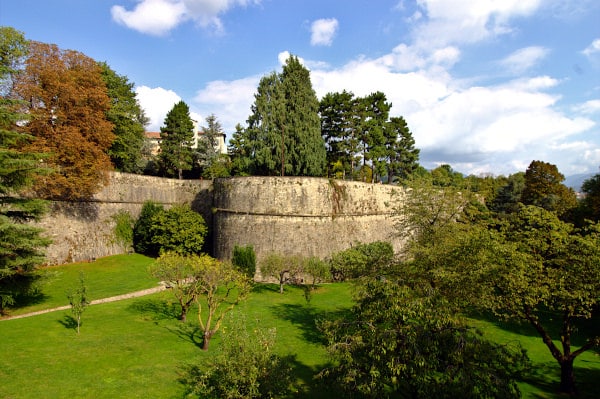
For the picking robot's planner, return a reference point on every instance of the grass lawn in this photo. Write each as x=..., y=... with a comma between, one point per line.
x=105, y=277
x=135, y=348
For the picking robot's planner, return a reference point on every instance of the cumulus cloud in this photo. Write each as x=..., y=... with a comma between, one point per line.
x=452, y=22
x=524, y=59
x=323, y=31
x=593, y=48
x=156, y=103
x=229, y=100
x=589, y=107
x=153, y=17
x=158, y=17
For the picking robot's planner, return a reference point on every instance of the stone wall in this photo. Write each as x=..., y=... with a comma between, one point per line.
x=84, y=230
x=290, y=215
x=301, y=215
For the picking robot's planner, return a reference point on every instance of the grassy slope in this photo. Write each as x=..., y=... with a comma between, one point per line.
x=135, y=348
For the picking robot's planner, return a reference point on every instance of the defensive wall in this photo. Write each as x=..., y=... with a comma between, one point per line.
x=289, y=215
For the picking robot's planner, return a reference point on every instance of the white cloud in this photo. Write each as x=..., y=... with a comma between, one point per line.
x=456, y=22
x=524, y=59
x=589, y=107
x=158, y=17
x=593, y=48
x=156, y=103
x=154, y=17
x=229, y=100
x=323, y=31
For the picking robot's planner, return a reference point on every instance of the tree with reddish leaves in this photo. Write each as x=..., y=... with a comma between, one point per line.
x=66, y=100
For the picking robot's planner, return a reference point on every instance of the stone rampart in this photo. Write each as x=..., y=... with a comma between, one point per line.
x=301, y=215
x=85, y=230
x=290, y=215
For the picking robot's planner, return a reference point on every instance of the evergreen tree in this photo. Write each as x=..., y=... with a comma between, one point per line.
x=285, y=124
x=373, y=111
x=21, y=244
x=402, y=156
x=591, y=202
x=338, y=128
x=242, y=152
x=208, y=146
x=129, y=122
x=177, y=134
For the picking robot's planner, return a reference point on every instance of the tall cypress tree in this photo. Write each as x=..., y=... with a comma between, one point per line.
x=177, y=137
x=21, y=245
x=285, y=124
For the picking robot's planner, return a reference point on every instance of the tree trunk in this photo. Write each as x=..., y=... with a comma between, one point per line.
x=206, y=340
x=183, y=315
x=567, y=377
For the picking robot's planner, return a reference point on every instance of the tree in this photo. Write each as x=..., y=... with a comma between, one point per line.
x=391, y=345
x=317, y=269
x=21, y=244
x=177, y=137
x=284, y=127
x=208, y=150
x=544, y=188
x=362, y=260
x=178, y=229
x=522, y=267
x=223, y=287
x=245, y=367
x=128, y=119
x=339, y=126
x=509, y=195
x=78, y=300
x=402, y=156
x=591, y=201
x=242, y=151
x=67, y=103
x=179, y=273
x=373, y=111
x=142, y=229
x=285, y=269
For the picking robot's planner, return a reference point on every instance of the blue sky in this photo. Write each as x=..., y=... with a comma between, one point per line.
x=486, y=86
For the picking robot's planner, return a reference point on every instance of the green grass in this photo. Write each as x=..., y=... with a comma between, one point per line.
x=136, y=347
x=105, y=277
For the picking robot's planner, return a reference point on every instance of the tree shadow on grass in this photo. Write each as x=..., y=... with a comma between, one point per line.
x=306, y=319
x=546, y=378
x=155, y=309
x=69, y=322
x=188, y=332
x=309, y=385
x=260, y=288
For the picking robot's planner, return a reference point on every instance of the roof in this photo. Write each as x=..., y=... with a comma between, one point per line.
x=152, y=135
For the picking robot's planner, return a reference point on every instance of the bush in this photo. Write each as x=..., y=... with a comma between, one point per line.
x=362, y=260
x=245, y=367
x=142, y=236
x=178, y=229
x=244, y=258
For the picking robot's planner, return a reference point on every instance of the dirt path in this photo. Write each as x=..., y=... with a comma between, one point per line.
x=135, y=294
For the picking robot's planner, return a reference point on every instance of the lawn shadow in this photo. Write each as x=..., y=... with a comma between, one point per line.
x=188, y=332
x=310, y=386
x=69, y=322
x=260, y=288
x=155, y=309
x=546, y=378
x=306, y=318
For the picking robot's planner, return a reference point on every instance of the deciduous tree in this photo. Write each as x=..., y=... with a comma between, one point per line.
x=544, y=188
x=591, y=201
x=284, y=268
x=177, y=137
x=67, y=105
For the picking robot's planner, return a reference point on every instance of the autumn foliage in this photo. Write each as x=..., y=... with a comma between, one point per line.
x=67, y=101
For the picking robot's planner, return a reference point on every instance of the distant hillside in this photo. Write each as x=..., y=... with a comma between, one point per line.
x=575, y=181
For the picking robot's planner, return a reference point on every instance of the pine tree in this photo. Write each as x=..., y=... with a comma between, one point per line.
x=129, y=122
x=21, y=245
x=402, y=156
x=177, y=136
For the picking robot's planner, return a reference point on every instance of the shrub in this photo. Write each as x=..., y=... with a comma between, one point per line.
x=245, y=367
x=362, y=260
x=142, y=237
x=244, y=258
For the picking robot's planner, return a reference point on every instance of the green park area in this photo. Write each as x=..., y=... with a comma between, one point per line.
x=137, y=348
